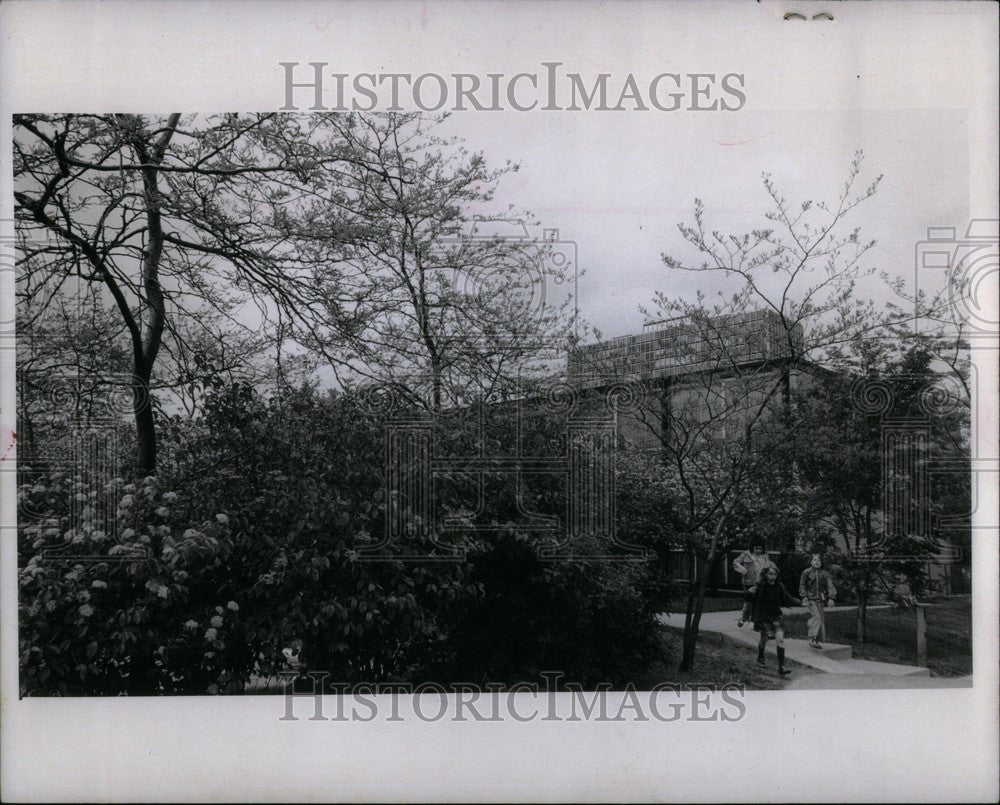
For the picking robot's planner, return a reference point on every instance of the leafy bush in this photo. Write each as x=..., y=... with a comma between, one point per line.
x=262, y=532
x=302, y=477
x=593, y=621
x=128, y=603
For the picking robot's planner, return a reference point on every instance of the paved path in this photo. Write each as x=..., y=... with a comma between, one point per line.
x=835, y=661
x=874, y=682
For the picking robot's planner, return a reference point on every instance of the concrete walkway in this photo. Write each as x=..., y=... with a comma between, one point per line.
x=839, y=670
x=860, y=681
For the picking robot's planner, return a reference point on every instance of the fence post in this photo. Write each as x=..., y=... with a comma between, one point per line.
x=922, y=635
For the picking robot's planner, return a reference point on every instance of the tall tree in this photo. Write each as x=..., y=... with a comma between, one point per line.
x=866, y=467
x=181, y=220
x=440, y=303
x=728, y=367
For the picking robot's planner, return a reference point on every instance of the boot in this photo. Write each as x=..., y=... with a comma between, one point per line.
x=760, y=653
x=781, y=662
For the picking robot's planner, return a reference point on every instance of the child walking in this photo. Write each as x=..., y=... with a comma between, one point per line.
x=770, y=596
x=750, y=565
x=816, y=591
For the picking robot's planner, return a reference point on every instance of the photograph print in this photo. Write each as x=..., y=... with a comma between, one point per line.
x=355, y=397
x=478, y=401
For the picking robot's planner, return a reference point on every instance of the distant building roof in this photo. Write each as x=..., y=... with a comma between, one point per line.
x=682, y=345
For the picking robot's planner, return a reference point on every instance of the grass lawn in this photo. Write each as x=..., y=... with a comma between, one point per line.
x=718, y=661
x=892, y=634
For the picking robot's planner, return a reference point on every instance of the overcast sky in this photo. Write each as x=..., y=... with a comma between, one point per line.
x=617, y=184
x=913, y=90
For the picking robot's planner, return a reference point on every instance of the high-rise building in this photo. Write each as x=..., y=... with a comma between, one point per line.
x=712, y=368
x=674, y=347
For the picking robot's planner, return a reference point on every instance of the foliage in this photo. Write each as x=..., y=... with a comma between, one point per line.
x=544, y=607
x=441, y=300
x=302, y=478
x=123, y=603
x=273, y=516
x=593, y=621
x=844, y=465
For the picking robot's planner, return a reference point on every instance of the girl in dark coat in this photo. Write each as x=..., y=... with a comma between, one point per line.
x=769, y=597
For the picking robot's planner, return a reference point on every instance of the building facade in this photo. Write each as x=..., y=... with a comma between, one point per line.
x=682, y=379
x=687, y=373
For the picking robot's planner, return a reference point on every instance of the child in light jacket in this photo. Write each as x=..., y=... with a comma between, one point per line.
x=816, y=591
x=750, y=565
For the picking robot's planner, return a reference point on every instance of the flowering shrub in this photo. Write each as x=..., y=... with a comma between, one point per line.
x=257, y=541
x=259, y=535
x=300, y=479
x=108, y=599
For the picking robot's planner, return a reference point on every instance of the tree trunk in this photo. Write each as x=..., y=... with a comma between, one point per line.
x=438, y=385
x=696, y=602
x=145, y=355
x=862, y=616
x=145, y=427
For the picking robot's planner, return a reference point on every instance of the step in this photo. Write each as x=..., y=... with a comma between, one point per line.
x=886, y=668
x=799, y=651
x=873, y=682
x=794, y=647
x=821, y=663
x=832, y=651
x=830, y=661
